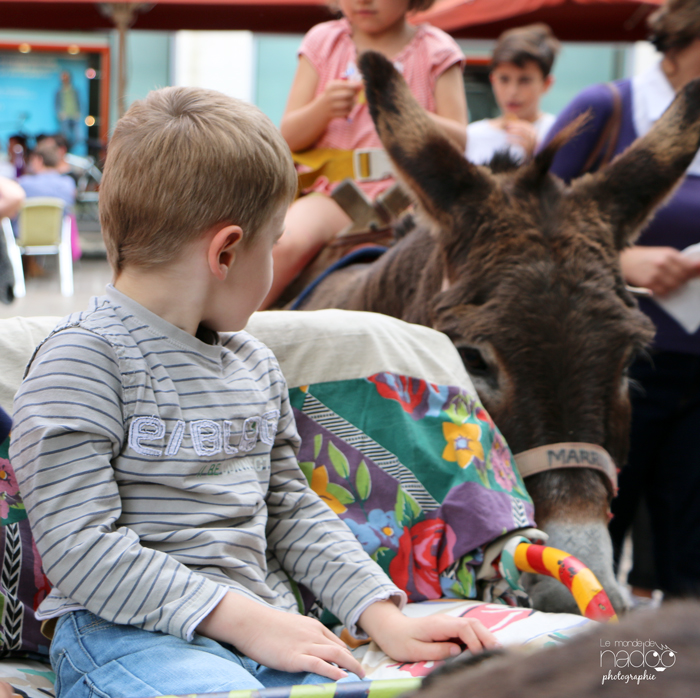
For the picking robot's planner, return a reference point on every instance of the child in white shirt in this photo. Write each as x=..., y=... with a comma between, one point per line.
x=520, y=75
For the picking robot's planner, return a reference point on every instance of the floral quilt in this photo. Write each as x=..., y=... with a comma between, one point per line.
x=418, y=471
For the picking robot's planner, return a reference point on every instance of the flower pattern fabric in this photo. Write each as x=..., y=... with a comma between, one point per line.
x=8, y=487
x=24, y=584
x=418, y=471
x=463, y=444
x=425, y=551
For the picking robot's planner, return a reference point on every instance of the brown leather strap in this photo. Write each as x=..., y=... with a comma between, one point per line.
x=609, y=135
x=567, y=455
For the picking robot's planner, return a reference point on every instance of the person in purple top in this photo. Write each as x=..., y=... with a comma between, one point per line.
x=664, y=461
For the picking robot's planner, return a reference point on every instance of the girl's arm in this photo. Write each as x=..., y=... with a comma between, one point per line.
x=307, y=116
x=451, y=106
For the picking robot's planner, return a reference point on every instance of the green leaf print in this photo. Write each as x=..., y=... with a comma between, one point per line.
x=318, y=442
x=339, y=461
x=407, y=510
x=466, y=587
x=458, y=411
x=413, y=505
x=398, y=507
x=383, y=557
x=340, y=493
x=363, y=481
x=307, y=468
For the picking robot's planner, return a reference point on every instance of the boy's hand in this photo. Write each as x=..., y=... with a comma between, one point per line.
x=430, y=638
x=523, y=133
x=6, y=691
x=339, y=97
x=278, y=639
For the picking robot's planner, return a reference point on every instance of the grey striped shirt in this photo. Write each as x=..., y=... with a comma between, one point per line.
x=159, y=471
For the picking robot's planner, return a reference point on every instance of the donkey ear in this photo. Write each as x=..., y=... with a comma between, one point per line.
x=433, y=168
x=535, y=171
x=628, y=191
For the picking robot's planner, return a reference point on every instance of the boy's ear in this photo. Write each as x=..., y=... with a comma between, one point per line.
x=548, y=82
x=222, y=250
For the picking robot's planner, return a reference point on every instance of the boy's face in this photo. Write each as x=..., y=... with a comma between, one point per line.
x=249, y=279
x=518, y=90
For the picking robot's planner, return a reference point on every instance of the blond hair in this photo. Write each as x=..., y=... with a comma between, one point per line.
x=183, y=160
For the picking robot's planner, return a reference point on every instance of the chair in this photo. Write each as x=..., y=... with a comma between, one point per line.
x=44, y=228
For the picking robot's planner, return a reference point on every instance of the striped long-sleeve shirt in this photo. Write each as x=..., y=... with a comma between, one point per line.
x=159, y=472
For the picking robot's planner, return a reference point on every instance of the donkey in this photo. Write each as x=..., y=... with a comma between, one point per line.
x=522, y=273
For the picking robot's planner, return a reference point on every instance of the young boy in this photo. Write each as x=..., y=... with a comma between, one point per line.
x=521, y=68
x=157, y=458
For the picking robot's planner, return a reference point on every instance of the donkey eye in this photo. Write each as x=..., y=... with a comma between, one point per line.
x=473, y=360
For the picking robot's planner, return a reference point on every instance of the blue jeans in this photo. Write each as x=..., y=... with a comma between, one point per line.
x=95, y=658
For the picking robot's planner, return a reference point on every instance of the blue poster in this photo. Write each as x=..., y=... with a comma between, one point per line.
x=44, y=93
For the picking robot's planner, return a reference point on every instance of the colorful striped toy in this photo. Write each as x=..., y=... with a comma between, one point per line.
x=587, y=591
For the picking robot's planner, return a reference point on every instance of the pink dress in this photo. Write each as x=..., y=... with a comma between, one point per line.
x=331, y=51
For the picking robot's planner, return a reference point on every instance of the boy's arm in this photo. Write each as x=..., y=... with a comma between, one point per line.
x=318, y=550
x=312, y=544
x=68, y=427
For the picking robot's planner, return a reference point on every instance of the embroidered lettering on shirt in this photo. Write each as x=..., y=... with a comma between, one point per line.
x=268, y=426
x=175, y=438
x=209, y=438
x=249, y=436
x=206, y=437
x=146, y=429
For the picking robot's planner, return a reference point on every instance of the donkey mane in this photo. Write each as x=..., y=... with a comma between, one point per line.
x=503, y=161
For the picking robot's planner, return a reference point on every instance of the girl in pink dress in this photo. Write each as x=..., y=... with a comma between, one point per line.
x=326, y=108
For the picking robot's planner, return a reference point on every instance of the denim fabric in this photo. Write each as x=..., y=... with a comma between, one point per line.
x=93, y=657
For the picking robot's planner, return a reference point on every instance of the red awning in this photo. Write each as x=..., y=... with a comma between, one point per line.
x=570, y=20
x=256, y=15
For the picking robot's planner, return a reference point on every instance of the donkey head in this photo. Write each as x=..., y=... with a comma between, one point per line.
x=533, y=297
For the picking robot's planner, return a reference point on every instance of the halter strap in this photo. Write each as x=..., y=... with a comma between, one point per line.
x=567, y=455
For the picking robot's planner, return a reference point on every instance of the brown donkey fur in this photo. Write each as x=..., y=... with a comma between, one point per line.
x=521, y=271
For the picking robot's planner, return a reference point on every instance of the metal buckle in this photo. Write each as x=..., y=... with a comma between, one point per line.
x=371, y=165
